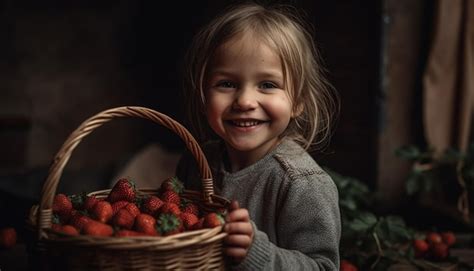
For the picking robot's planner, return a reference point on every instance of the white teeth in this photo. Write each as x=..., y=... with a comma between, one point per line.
x=245, y=123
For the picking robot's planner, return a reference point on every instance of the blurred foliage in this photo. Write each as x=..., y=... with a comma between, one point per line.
x=429, y=172
x=375, y=242
x=372, y=242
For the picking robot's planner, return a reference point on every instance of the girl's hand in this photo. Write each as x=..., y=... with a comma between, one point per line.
x=239, y=232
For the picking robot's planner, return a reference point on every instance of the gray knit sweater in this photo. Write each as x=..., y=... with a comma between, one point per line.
x=292, y=202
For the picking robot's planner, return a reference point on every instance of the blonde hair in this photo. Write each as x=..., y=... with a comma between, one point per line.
x=281, y=28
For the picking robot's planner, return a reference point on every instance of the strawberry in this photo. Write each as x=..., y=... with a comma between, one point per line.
x=172, y=184
x=56, y=227
x=8, y=237
x=89, y=202
x=116, y=206
x=151, y=205
x=124, y=189
x=170, y=208
x=171, y=196
x=448, y=238
x=439, y=251
x=102, y=211
x=66, y=229
x=347, y=266
x=199, y=225
x=132, y=208
x=79, y=219
x=433, y=238
x=123, y=219
x=62, y=206
x=169, y=224
x=96, y=228
x=146, y=224
x=421, y=247
x=212, y=220
x=189, y=220
x=126, y=233
x=189, y=207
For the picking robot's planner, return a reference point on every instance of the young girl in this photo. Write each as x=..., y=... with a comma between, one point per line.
x=258, y=100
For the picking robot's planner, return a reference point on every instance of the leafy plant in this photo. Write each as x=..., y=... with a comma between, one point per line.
x=371, y=241
x=429, y=171
x=422, y=177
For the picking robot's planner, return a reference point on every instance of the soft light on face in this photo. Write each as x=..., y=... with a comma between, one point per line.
x=246, y=103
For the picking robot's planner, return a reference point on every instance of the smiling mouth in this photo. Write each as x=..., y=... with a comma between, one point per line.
x=246, y=123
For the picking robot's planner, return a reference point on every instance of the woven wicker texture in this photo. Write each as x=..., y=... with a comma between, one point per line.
x=193, y=250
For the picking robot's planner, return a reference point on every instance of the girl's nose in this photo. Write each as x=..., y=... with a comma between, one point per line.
x=245, y=99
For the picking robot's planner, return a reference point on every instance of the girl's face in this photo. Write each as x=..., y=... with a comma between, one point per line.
x=246, y=103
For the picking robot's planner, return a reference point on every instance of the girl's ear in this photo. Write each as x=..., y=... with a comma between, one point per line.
x=297, y=110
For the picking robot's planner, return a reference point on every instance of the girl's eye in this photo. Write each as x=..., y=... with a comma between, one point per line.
x=267, y=85
x=225, y=84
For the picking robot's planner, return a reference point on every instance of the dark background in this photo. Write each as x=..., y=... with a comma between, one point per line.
x=61, y=63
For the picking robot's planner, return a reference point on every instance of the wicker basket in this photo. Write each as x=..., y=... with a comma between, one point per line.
x=201, y=249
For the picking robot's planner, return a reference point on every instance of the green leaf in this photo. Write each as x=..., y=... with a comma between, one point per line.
x=398, y=229
x=348, y=204
x=451, y=156
x=408, y=152
x=364, y=222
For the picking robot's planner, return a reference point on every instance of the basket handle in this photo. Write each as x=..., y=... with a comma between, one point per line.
x=63, y=155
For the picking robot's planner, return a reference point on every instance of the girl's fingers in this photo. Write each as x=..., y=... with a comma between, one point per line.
x=239, y=228
x=238, y=240
x=234, y=205
x=238, y=215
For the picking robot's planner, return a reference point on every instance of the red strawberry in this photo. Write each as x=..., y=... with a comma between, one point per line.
x=132, y=208
x=146, y=224
x=66, y=229
x=124, y=189
x=170, y=208
x=189, y=220
x=421, y=247
x=151, y=205
x=78, y=220
x=96, y=228
x=8, y=237
x=212, y=220
x=172, y=184
x=189, y=207
x=448, y=238
x=123, y=219
x=439, y=251
x=433, y=238
x=171, y=196
x=90, y=201
x=347, y=266
x=169, y=224
x=56, y=226
x=116, y=206
x=102, y=211
x=62, y=206
x=126, y=233
x=199, y=225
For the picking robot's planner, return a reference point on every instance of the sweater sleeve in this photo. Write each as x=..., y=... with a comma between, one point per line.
x=308, y=228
